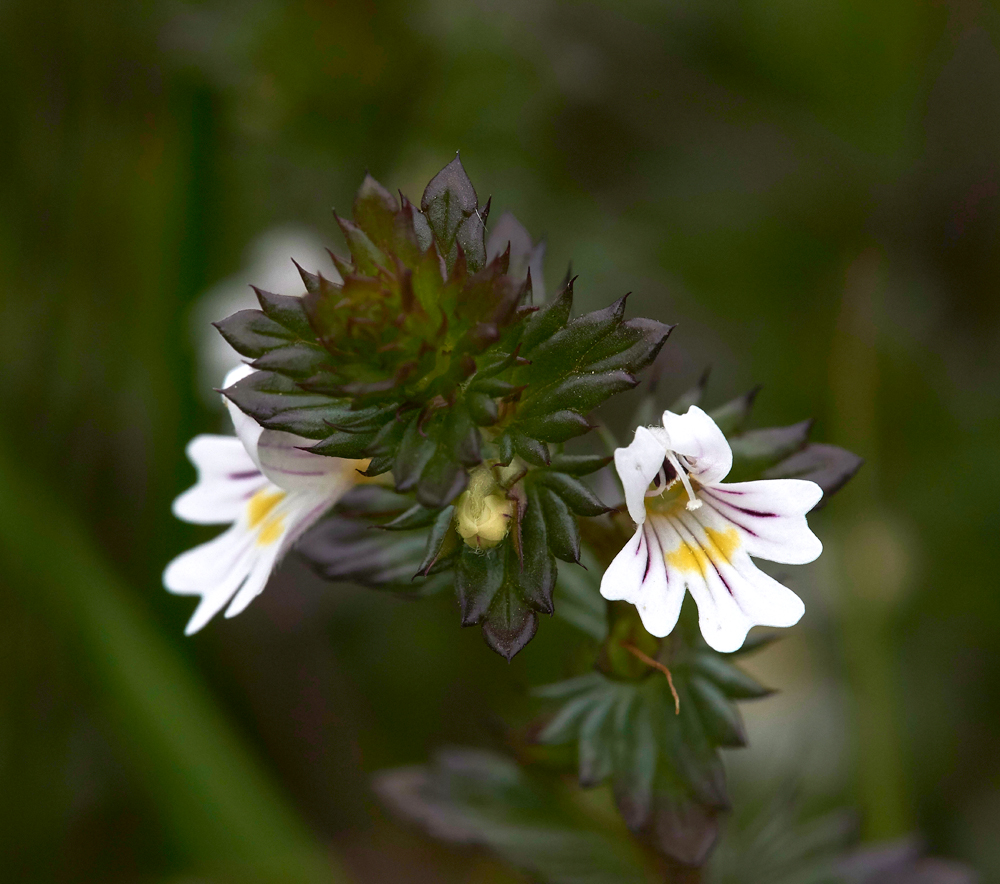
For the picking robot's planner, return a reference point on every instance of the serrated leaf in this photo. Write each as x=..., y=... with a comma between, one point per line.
x=416, y=516
x=415, y=451
x=692, y=396
x=286, y=310
x=279, y=403
x=442, y=480
x=341, y=444
x=549, y=319
x=828, y=466
x=630, y=347
x=479, y=575
x=510, y=624
x=440, y=542
x=581, y=392
x=367, y=257
x=562, y=532
x=732, y=417
x=560, y=426
x=578, y=496
x=721, y=719
x=533, y=451
x=451, y=207
x=375, y=211
x=251, y=333
x=756, y=450
x=536, y=570
x=731, y=680
x=344, y=548
x=298, y=360
x=567, y=348
x=579, y=464
x=478, y=798
x=664, y=766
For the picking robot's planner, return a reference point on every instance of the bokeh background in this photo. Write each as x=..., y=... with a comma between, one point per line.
x=811, y=190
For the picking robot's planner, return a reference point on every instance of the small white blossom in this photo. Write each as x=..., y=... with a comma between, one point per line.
x=695, y=532
x=271, y=491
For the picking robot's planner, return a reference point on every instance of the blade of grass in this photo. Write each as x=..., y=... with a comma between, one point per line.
x=225, y=815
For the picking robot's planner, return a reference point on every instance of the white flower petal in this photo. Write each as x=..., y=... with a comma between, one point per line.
x=292, y=517
x=638, y=575
x=732, y=594
x=213, y=570
x=770, y=515
x=247, y=429
x=288, y=466
x=637, y=465
x=723, y=623
x=696, y=436
x=227, y=478
x=256, y=580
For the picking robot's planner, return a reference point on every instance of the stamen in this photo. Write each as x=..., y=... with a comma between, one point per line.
x=693, y=502
x=659, y=484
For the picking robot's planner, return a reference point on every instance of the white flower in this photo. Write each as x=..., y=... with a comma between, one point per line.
x=696, y=532
x=269, y=489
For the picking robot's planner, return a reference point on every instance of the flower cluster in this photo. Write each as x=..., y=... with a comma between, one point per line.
x=429, y=394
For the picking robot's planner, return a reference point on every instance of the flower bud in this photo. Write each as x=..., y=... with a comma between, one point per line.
x=483, y=512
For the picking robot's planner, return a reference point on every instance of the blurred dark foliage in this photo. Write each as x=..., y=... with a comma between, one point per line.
x=812, y=191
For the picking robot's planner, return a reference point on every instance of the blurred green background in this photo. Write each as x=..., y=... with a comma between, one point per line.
x=811, y=190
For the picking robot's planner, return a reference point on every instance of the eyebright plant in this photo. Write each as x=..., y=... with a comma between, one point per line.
x=428, y=357
x=425, y=387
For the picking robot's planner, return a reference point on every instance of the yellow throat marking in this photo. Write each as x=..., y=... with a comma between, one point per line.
x=261, y=504
x=258, y=512
x=690, y=558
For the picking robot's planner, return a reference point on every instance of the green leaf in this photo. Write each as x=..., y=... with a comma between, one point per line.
x=286, y=310
x=721, y=719
x=756, y=450
x=732, y=680
x=479, y=574
x=511, y=623
x=533, y=451
x=580, y=392
x=442, y=480
x=537, y=567
x=251, y=333
x=578, y=496
x=548, y=320
x=278, y=403
x=668, y=780
x=415, y=451
x=692, y=396
x=366, y=256
x=299, y=360
x=557, y=427
x=451, y=207
x=630, y=347
x=732, y=417
x=441, y=543
x=828, y=466
x=562, y=532
x=416, y=516
x=479, y=798
x=579, y=464
x=375, y=212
